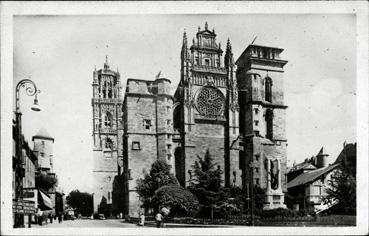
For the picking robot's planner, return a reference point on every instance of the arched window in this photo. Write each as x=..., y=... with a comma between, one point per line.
x=108, y=120
x=269, y=124
x=177, y=117
x=110, y=93
x=268, y=89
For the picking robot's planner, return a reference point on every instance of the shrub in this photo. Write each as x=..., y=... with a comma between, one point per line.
x=282, y=212
x=227, y=209
x=180, y=201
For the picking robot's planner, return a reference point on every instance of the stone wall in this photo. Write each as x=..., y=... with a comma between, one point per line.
x=146, y=102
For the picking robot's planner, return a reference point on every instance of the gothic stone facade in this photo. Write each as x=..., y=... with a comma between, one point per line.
x=107, y=132
x=148, y=132
x=206, y=108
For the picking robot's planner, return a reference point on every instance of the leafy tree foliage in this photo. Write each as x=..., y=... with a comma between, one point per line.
x=81, y=201
x=206, y=182
x=343, y=182
x=180, y=200
x=45, y=181
x=159, y=176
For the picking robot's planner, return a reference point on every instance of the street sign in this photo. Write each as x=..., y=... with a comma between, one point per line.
x=28, y=207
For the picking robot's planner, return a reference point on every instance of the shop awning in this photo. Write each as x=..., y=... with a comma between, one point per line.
x=44, y=201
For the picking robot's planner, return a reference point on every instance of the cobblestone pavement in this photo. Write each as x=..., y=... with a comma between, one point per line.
x=86, y=223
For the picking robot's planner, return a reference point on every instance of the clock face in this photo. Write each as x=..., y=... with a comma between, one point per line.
x=210, y=101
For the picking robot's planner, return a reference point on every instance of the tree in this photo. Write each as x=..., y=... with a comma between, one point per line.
x=81, y=201
x=342, y=185
x=45, y=181
x=159, y=176
x=206, y=183
x=179, y=200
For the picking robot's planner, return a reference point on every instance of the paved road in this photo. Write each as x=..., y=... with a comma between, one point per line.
x=85, y=223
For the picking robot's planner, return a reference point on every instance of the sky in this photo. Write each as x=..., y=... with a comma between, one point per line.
x=59, y=53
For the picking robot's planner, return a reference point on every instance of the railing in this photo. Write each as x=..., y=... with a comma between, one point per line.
x=209, y=69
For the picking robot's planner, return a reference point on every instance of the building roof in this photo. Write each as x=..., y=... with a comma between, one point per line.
x=43, y=134
x=310, y=176
x=304, y=165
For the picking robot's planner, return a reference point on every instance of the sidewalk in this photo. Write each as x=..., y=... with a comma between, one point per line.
x=178, y=225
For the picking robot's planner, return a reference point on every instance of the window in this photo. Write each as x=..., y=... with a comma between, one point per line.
x=136, y=145
x=207, y=62
x=108, y=143
x=268, y=89
x=256, y=110
x=42, y=154
x=218, y=63
x=257, y=181
x=108, y=196
x=108, y=120
x=256, y=122
x=169, y=156
x=168, y=121
x=256, y=170
x=197, y=60
x=147, y=124
x=269, y=124
x=43, y=143
x=257, y=157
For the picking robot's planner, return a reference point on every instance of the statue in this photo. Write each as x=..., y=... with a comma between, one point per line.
x=274, y=172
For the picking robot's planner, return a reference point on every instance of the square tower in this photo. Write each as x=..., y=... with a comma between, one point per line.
x=263, y=121
x=148, y=131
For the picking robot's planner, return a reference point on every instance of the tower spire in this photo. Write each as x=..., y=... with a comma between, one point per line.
x=106, y=64
x=228, y=58
x=184, y=38
x=206, y=25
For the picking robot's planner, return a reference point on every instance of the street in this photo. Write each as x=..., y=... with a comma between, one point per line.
x=119, y=223
x=86, y=223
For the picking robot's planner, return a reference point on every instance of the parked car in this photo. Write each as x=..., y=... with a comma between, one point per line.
x=69, y=215
x=101, y=217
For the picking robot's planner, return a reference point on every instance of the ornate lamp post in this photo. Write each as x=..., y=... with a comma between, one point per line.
x=31, y=90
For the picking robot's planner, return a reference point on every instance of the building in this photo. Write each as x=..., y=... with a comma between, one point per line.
x=27, y=172
x=107, y=132
x=43, y=147
x=205, y=109
x=233, y=109
x=263, y=121
x=148, y=131
x=308, y=181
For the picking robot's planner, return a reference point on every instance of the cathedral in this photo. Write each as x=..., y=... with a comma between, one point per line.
x=234, y=109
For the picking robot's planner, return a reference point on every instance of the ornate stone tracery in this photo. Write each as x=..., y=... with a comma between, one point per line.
x=210, y=101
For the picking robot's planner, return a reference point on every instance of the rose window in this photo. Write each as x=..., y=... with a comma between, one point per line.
x=210, y=101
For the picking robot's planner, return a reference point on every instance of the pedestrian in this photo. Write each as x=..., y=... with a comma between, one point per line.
x=59, y=218
x=142, y=219
x=51, y=218
x=158, y=218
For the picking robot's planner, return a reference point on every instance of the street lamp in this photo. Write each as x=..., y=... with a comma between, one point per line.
x=31, y=90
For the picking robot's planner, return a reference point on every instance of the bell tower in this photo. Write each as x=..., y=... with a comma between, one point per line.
x=107, y=132
x=263, y=121
x=205, y=107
